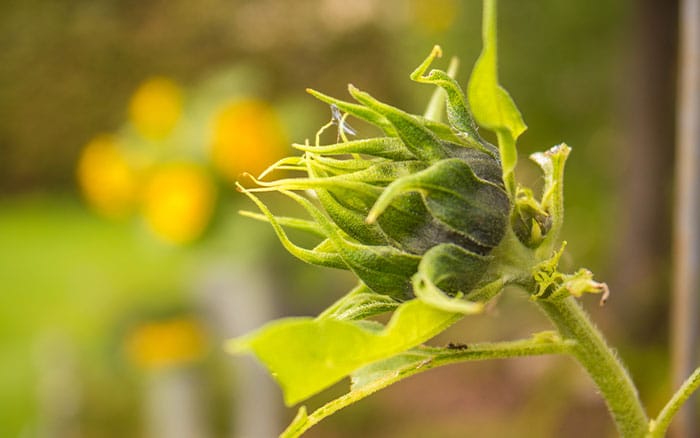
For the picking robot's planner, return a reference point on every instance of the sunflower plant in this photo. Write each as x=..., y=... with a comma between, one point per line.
x=430, y=219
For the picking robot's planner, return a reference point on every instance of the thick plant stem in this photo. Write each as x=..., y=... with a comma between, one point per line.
x=601, y=363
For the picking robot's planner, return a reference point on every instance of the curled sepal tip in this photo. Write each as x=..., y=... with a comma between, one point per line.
x=457, y=107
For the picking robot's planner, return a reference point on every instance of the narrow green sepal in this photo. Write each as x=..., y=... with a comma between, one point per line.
x=314, y=257
x=359, y=111
x=417, y=138
x=391, y=148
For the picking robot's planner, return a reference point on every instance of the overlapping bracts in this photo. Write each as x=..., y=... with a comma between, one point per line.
x=426, y=199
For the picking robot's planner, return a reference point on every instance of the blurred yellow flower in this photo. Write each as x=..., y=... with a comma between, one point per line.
x=156, y=107
x=106, y=179
x=178, y=202
x=165, y=343
x=247, y=137
x=435, y=16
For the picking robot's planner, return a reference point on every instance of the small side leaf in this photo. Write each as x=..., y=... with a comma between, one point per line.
x=491, y=105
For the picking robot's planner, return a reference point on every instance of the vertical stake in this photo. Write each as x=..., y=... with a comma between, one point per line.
x=686, y=240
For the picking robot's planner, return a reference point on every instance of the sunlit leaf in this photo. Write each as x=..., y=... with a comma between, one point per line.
x=307, y=355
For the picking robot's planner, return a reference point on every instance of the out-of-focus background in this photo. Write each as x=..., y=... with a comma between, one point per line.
x=124, y=264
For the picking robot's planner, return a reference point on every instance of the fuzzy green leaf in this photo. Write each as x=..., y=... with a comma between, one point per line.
x=308, y=355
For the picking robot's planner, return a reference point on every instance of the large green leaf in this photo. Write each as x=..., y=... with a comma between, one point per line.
x=307, y=355
x=490, y=104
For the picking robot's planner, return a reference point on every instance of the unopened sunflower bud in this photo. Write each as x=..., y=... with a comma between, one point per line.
x=425, y=201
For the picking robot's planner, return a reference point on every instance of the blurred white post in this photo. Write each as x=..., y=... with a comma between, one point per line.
x=238, y=299
x=59, y=387
x=686, y=241
x=174, y=405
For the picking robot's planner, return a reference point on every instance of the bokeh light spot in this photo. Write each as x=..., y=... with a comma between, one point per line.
x=170, y=342
x=178, y=202
x=434, y=16
x=156, y=107
x=106, y=179
x=247, y=137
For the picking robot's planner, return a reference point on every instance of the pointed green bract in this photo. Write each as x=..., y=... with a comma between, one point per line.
x=391, y=148
x=359, y=111
x=386, y=270
x=314, y=257
x=417, y=138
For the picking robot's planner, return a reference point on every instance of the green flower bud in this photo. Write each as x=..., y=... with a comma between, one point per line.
x=426, y=203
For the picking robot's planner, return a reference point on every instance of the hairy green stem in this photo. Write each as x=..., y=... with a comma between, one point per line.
x=658, y=427
x=429, y=358
x=601, y=363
